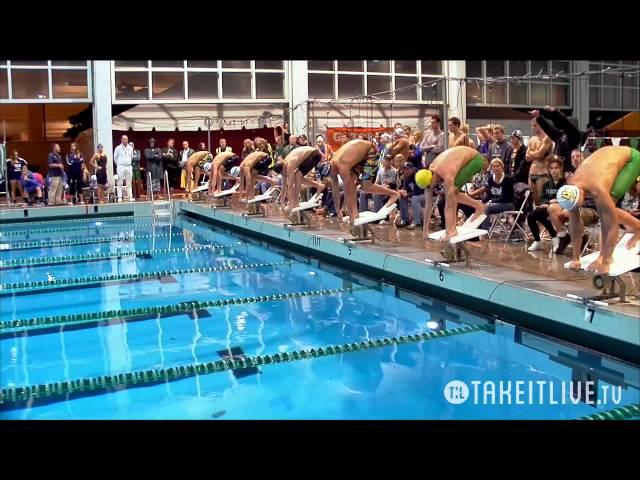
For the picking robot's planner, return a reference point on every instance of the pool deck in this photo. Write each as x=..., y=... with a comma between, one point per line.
x=503, y=280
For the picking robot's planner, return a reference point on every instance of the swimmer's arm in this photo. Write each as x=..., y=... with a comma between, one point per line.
x=552, y=132
x=426, y=216
x=335, y=191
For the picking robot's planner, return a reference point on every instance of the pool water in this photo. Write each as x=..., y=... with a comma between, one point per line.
x=406, y=381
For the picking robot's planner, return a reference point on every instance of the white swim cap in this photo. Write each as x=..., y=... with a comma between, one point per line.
x=207, y=167
x=235, y=171
x=94, y=178
x=568, y=197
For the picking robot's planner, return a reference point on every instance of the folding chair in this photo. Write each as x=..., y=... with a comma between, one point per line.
x=514, y=215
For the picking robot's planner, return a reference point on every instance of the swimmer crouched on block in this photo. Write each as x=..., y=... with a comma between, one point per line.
x=607, y=175
x=356, y=159
x=453, y=168
x=294, y=169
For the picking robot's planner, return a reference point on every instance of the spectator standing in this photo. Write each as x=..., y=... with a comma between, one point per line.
x=122, y=157
x=184, y=155
x=171, y=163
x=501, y=148
x=434, y=142
x=56, y=176
x=98, y=164
x=14, y=169
x=75, y=161
x=153, y=157
x=136, y=173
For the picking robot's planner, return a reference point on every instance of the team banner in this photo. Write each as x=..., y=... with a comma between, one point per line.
x=334, y=135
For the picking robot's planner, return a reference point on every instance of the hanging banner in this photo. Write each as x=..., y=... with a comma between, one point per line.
x=334, y=135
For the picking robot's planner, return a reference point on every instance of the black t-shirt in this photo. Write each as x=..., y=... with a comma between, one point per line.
x=499, y=192
x=550, y=189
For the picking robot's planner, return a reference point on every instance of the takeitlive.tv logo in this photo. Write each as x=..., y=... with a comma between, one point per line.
x=532, y=392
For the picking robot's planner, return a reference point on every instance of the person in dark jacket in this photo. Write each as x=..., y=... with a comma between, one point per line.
x=171, y=163
x=153, y=156
x=519, y=166
x=75, y=160
x=561, y=130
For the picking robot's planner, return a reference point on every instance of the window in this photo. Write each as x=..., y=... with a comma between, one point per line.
x=322, y=65
x=408, y=92
x=29, y=63
x=269, y=85
x=497, y=94
x=168, y=85
x=613, y=90
x=405, y=66
x=69, y=84
x=167, y=63
x=378, y=84
x=518, y=68
x=68, y=63
x=203, y=85
x=559, y=95
x=132, y=85
x=518, y=93
x=236, y=64
x=495, y=68
x=131, y=63
x=431, y=67
x=540, y=94
x=432, y=94
x=202, y=64
x=4, y=83
x=350, y=66
x=321, y=85
x=236, y=85
x=30, y=84
x=270, y=65
x=530, y=91
x=350, y=85
x=378, y=66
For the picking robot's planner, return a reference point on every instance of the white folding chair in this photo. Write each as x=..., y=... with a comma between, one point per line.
x=514, y=216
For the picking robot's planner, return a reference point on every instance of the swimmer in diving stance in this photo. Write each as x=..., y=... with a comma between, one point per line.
x=356, y=160
x=453, y=168
x=607, y=175
x=200, y=162
x=222, y=163
x=294, y=169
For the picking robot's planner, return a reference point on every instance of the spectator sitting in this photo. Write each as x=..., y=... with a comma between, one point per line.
x=499, y=192
x=541, y=213
x=410, y=194
x=325, y=149
x=302, y=140
x=32, y=185
x=415, y=156
x=223, y=147
x=387, y=177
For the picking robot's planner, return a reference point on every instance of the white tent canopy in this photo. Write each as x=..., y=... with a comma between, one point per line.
x=190, y=117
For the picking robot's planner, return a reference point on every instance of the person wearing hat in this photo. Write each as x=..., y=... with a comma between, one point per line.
x=606, y=175
x=453, y=168
x=519, y=166
x=153, y=156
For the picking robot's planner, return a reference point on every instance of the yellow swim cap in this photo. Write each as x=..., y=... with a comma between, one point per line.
x=423, y=178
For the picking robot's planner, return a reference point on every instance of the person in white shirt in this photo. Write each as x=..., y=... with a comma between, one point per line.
x=122, y=156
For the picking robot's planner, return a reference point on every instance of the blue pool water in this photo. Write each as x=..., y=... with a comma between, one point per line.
x=395, y=382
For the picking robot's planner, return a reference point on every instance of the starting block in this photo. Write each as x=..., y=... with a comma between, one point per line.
x=456, y=250
x=221, y=199
x=362, y=225
x=300, y=214
x=624, y=260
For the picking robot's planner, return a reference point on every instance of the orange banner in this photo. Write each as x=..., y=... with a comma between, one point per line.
x=334, y=135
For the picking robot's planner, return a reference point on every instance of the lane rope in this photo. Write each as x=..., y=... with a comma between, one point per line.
x=11, y=395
